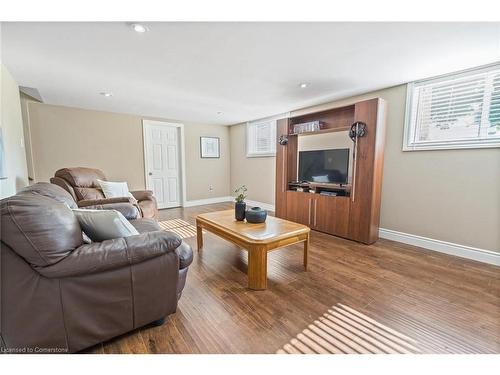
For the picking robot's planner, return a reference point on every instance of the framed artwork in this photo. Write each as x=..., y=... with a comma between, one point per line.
x=209, y=147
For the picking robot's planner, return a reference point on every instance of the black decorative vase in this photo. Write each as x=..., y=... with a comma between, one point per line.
x=256, y=215
x=239, y=210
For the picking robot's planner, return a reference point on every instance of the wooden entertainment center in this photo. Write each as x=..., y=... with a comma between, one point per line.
x=352, y=210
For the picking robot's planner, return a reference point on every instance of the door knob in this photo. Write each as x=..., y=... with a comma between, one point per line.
x=150, y=173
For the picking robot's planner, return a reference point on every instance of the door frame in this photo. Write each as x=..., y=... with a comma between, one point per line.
x=182, y=153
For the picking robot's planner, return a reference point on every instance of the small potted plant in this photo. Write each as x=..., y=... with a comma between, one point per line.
x=240, y=205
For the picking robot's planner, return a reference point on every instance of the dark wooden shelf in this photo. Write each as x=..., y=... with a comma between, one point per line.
x=325, y=185
x=335, y=119
x=330, y=130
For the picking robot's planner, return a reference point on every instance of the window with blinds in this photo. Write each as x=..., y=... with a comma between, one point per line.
x=456, y=111
x=261, y=137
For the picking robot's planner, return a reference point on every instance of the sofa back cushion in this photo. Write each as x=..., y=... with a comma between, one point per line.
x=52, y=191
x=84, y=181
x=40, y=228
x=88, y=193
x=81, y=176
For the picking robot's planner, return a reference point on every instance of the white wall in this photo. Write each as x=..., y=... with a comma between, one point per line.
x=258, y=174
x=25, y=101
x=13, y=137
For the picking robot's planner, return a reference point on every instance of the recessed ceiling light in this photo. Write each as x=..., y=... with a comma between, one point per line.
x=139, y=28
x=303, y=85
x=106, y=94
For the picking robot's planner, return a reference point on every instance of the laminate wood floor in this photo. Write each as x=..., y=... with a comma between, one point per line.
x=384, y=298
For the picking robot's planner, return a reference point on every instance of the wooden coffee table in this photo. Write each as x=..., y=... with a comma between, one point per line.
x=257, y=239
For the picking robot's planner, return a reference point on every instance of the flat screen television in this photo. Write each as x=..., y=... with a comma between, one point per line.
x=324, y=166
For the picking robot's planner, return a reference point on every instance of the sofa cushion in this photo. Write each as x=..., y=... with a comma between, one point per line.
x=39, y=228
x=145, y=225
x=128, y=210
x=88, y=193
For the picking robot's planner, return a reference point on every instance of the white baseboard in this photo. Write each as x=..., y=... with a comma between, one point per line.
x=450, y=248
x=201, y=202
x=265, y=206
x=463, y=251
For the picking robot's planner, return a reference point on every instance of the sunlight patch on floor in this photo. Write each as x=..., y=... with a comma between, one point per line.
x=178, y=226
x=343, y=330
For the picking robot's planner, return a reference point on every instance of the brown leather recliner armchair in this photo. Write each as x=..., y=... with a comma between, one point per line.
x=61, y=295
x=82, y=184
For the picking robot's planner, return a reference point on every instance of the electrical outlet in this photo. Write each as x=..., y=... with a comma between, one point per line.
x=210, y=188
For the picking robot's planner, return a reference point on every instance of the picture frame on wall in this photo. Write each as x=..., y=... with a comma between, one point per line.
x=210, y=147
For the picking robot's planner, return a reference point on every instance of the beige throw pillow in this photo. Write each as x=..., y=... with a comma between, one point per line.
x=115, y=189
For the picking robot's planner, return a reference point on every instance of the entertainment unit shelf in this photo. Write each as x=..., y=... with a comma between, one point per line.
x=354, y=213
x=336, y=119
x=325, y=130
x=318, y=188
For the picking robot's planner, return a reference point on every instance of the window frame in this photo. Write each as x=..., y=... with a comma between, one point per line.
x=272, y=153
x=409, y=128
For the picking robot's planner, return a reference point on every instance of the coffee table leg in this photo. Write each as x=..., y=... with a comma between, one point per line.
x=306, y=251
x=257, y=268
x=199, y=236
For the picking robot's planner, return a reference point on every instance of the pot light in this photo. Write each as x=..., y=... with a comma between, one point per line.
x=303, y=85
x=138, y=28
x=106, y=94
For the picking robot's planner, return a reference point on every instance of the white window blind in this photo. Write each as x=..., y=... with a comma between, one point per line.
x=456, y=111
x=261, y=137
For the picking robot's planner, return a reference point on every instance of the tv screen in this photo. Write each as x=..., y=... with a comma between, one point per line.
x=324, y=166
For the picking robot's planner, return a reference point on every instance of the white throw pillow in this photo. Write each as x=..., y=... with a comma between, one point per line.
x=101, y=225
x=114, y=189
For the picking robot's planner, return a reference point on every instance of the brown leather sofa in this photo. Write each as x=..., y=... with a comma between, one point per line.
x=82, y=184
x=59, y=294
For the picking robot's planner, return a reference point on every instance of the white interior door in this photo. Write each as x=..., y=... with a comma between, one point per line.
x=163, y=169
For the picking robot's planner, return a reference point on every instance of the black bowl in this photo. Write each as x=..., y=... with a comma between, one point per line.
x=256, y=215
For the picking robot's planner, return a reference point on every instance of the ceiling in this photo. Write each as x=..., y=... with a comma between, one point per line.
x=226, y=73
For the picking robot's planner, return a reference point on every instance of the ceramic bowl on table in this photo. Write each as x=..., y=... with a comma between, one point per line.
x=256, y=215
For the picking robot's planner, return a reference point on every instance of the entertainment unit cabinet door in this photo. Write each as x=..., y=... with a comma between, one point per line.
x=331, y=215
x=299, y=207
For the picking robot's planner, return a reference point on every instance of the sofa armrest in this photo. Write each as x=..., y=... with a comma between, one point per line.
x=129, y=211
x=94, y=202
x=112, y=254
x=185, y=254
x=142, y=195
x=64, y=184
